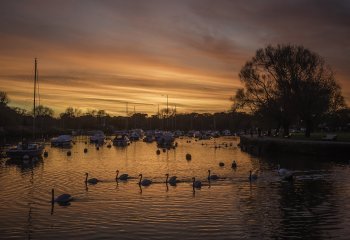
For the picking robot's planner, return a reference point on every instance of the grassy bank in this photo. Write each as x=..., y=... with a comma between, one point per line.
x=341, y=136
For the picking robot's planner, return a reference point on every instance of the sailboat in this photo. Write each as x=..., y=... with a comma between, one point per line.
x=28, y=150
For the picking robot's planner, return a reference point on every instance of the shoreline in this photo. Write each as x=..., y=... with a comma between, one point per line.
x=261, y=146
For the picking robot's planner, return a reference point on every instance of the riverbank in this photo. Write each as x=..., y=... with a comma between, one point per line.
x=261, y=146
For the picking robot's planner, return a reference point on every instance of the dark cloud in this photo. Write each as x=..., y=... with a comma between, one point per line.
x=191, y=49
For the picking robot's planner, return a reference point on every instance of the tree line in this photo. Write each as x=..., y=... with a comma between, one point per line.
x=18, y=122
x=284, y=87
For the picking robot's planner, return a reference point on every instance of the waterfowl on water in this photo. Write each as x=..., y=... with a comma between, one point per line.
x=281, y=171
x=172, y=180
x=288, y=176
x=122, y=177
x=61, y=199
x=253, y=176
x=91, y=180
x=212, y=177
x=234, y=164
x=144, y=182
x=196, y=184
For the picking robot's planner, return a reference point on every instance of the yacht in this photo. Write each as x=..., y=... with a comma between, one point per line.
x=121, y=141
x=149, y=138
x=29, y=150
x=61, y=141
x=166, y=140
x=25, y=150
x=97, y=137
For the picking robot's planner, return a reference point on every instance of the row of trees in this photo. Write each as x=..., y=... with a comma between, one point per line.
x=19, y=122
x=284, y=86
x=289, y=85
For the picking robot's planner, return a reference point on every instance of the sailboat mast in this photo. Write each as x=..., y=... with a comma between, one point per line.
x=35, y=80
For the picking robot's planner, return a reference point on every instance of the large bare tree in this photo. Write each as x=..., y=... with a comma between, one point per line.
x=288, y=82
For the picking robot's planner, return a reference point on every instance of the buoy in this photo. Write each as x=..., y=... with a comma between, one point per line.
x=97, y=148
x=109, y=145
x=69, y=153
x=46, y=154
x=85, y=150
x=158, y=152
x=188, y=156
x=164, y=150
x=221, y=164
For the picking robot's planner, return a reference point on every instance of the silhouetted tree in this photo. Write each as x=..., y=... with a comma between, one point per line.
x=4, y=100
x=42, y=111
x=286, y=82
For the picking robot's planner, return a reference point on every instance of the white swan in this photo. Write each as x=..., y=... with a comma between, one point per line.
x=285, y=174
x=172, y=180
x=61, y=199
x=122, y=177
x=196, y=184
x=212, y=177
x=144, y=182
x=289, y=176
x=91, y=180
x=253, y=176
x=282, y=171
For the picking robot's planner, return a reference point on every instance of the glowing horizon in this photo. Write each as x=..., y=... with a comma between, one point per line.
x=100, y=55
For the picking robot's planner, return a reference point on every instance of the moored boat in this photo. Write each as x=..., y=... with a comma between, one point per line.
x=166, y=140
x=24, y=150
x=121, y=141
x=28, y=150
x=97, y=137
x=61, y=141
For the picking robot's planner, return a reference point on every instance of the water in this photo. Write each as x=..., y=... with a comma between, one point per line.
x=314, y=206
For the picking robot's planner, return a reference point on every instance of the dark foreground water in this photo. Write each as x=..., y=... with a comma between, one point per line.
x=316, y=205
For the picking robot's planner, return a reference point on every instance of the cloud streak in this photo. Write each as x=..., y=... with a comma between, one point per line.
x=101, y=54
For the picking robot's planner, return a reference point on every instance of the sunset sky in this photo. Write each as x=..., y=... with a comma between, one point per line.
x=102, y=54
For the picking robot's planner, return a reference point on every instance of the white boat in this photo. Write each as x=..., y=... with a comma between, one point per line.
x=121, y=141
x=28, y=150
x=136, y=134
x=149, y=138
x=61, y=141
x=166, y=140
x=25, y=150
x=97, y=137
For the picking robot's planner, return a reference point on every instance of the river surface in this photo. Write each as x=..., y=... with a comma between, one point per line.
x=316, y=205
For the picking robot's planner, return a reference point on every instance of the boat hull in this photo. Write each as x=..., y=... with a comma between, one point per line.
x=61, y=144
x=18, y=154
x=121, y=143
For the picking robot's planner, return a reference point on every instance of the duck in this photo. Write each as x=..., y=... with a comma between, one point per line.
x=144, y=182
x=91, y=180
x=212, y=177
x=122, y=177
x=61, y=199
x=196, y=184
x=172, y=180
x=253, y=176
